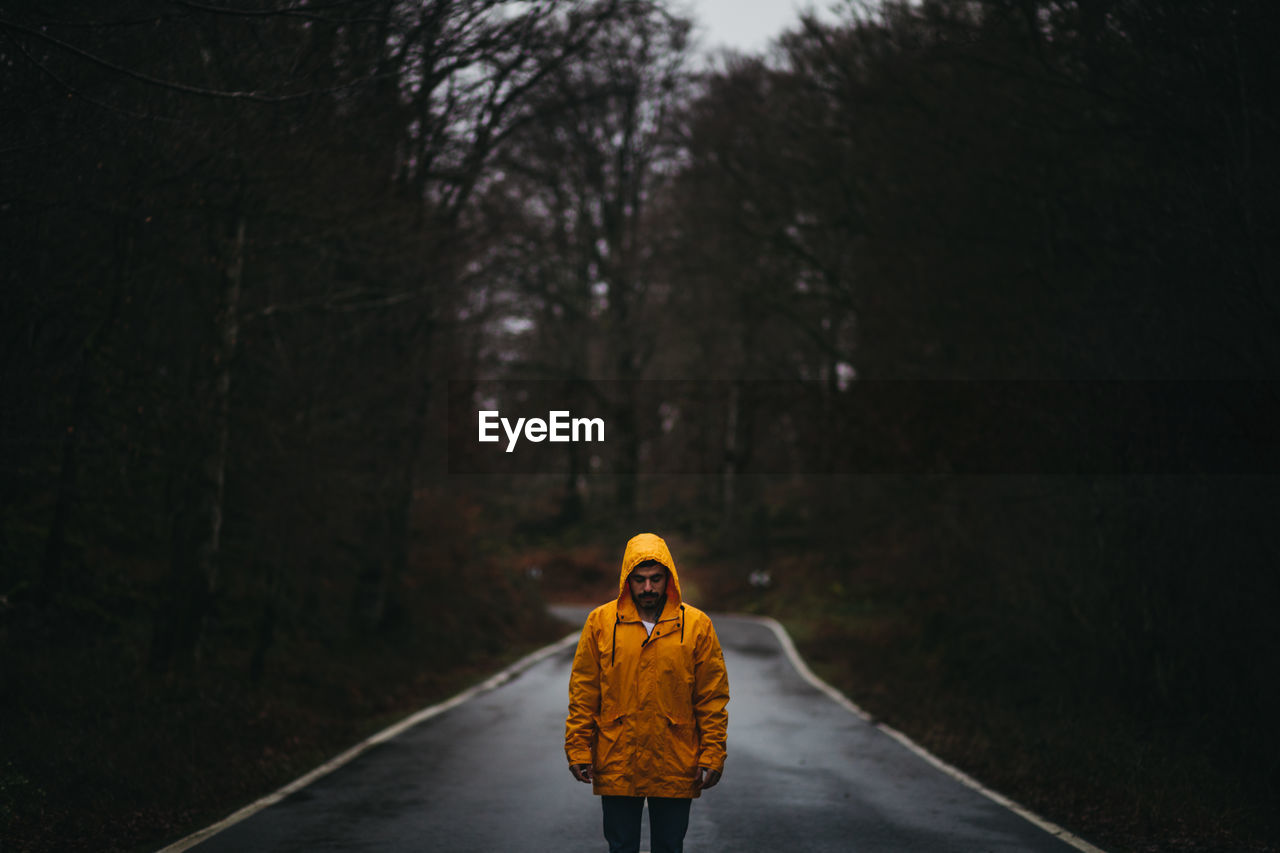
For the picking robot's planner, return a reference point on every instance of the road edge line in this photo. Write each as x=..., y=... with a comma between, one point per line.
x=491, y=683
x=784, y=639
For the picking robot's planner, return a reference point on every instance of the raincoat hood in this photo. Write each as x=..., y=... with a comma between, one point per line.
x=641, y=547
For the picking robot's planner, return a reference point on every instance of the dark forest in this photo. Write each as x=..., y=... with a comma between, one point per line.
x=946, y=332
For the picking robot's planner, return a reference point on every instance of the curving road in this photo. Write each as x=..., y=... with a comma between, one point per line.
x=488, y=775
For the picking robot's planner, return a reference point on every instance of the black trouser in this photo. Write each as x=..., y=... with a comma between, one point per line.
x=668, y=820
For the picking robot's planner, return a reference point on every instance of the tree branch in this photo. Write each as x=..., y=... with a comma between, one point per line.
x=254, y=96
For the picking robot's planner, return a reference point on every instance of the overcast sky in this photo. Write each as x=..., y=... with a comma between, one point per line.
x=748, y=25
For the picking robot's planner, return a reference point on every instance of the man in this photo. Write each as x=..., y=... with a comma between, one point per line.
x=647, y=703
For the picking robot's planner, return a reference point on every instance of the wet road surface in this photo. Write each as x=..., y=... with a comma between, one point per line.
x=489, y=776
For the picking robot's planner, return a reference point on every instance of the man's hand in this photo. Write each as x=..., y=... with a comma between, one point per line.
x=707, y=778
x=582, y=772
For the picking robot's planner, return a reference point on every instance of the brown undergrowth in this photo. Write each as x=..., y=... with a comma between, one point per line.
x=100, y=755
x=1086, y=762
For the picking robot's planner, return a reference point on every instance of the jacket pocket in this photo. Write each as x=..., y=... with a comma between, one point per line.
x=610, y=747
x=681, y=759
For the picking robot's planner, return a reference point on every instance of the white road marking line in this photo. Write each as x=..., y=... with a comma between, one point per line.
x=386, y=734
x=807, y=674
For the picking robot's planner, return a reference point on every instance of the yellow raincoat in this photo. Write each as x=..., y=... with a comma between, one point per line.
x=646, y=711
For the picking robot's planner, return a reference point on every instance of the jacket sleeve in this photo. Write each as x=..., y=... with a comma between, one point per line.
x=584, y=699
x=710, y=696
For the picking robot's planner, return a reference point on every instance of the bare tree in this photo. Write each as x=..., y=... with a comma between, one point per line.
x=583, y=180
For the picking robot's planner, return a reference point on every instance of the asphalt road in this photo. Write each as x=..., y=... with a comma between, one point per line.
x=489, y=775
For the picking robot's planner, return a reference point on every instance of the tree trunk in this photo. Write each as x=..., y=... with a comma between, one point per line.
x=730, y=469
x=198, y=528
x=53, y=579
x=215, y=466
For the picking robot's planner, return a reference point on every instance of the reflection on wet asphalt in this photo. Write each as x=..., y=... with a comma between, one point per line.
x=489, y=776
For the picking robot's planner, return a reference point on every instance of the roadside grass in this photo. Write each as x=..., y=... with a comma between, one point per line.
x=1086, y=767
x=1086, y=762
x=111, y=758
